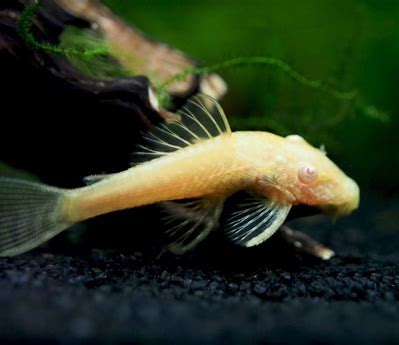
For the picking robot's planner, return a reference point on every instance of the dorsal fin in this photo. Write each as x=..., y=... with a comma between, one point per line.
x=201, y=118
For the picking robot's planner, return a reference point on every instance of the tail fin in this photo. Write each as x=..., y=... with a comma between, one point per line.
x=30, y=214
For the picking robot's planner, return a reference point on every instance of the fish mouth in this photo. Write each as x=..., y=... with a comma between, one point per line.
x=338, y=211
x=302, y=211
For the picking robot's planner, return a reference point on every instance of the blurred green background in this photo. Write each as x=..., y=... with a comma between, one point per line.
x=351, y=44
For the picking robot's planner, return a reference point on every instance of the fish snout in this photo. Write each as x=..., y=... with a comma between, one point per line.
x=350, y=199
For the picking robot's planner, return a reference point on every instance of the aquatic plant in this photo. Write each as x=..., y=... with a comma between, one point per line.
x=87, y=50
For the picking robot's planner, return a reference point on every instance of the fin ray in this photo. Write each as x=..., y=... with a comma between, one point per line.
x=190, y=222
x=92, y=179
x=30, y=214
x=195, y=123
x=252, y=220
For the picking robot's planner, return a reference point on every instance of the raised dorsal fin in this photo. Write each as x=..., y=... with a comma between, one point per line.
x=252, y=220
x=189, y=222
x=201, y=118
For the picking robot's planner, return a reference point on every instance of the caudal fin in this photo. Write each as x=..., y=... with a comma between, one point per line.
x=30, y=214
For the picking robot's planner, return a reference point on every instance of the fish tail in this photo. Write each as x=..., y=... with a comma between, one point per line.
x=30, y=214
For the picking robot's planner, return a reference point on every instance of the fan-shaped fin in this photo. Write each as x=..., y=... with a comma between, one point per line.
x=201, y=118
x=189, y=222
x=30, y=214
x=252, y=220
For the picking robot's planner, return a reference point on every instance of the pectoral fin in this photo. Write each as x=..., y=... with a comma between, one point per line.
x=252, y=220
x=189, y=222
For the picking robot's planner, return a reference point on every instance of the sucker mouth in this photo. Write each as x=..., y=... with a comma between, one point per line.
x=301, y=211
x=341, y=210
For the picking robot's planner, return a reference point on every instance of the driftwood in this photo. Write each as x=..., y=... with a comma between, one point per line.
x=63, y=125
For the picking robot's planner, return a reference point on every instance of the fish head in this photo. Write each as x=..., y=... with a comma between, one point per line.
x=318, y=181
x=306, y=176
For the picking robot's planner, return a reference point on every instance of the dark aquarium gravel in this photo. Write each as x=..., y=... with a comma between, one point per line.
x=218, y=295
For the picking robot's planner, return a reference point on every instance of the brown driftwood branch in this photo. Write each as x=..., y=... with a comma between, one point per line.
x=140, y=53
x=304, y=244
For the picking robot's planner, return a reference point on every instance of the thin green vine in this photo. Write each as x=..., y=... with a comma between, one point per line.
x=25, y=29
x=263, y=60
x=30, y=11
x=348, y=96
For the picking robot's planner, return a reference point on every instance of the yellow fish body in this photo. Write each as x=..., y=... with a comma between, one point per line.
x=191, y=166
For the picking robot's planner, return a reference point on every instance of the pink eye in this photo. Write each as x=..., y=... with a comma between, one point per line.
x=307, y=174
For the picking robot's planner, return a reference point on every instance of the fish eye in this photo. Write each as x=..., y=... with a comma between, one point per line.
x=307, y=174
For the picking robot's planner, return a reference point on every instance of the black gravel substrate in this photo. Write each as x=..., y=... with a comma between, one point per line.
x=217, y=295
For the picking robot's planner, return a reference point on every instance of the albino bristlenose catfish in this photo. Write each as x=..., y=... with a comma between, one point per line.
x=191, y=166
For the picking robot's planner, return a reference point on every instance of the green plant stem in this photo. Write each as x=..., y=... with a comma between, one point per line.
x=348, y=96
x=25, y=29
x=30, y=11
x=264, y=60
